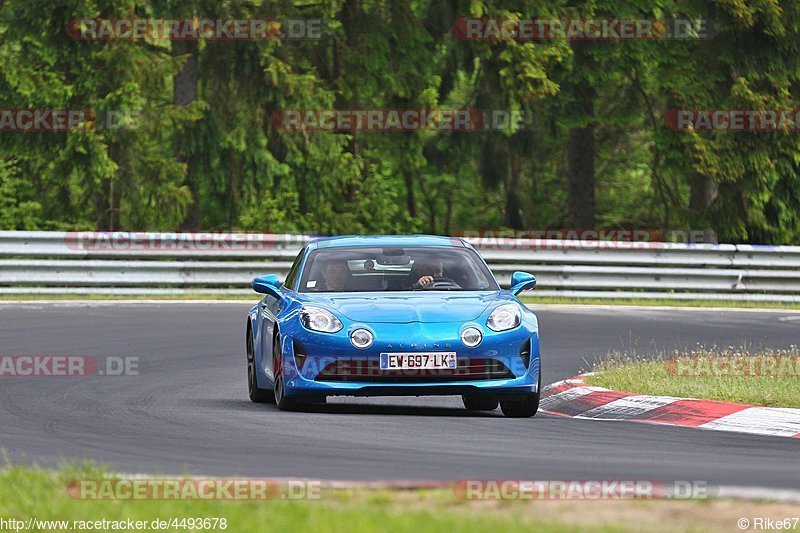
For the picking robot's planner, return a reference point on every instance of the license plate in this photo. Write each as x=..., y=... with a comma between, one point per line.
x=417, y=360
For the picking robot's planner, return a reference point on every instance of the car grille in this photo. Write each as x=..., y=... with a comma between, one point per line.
x=368, y=370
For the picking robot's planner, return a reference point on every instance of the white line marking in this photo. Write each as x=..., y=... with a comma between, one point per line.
x=568, y=395
x=759, y=421
x=755, y=493
x=563, y=382
x=628, y=407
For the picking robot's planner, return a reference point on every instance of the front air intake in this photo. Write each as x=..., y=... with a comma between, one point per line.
x=368, y=371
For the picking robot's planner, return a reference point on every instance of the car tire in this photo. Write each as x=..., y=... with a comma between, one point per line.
x=256, y=394
x=523, y=408
x=479, y=402
x=279, y=381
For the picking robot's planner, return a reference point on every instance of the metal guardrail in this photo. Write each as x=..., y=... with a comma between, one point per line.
x=170, y=263
x=148, y=245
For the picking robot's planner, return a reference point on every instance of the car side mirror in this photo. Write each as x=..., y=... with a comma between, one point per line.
x=522, y=281
x=269, y=284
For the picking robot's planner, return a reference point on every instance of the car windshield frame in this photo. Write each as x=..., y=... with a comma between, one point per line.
x=393, y=268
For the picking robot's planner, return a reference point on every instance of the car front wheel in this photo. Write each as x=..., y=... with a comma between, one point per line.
x=256, y=394
x=283, y=403
x=526, y=407
x=521, y=408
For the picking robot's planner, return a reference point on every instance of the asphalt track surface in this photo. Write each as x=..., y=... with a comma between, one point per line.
x=187, y=411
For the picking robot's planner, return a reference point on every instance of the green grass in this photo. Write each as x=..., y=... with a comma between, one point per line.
x=26, y=493
x=42, y=494
x=731, y=375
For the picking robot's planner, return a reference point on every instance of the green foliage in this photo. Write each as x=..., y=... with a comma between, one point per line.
x=221, y=162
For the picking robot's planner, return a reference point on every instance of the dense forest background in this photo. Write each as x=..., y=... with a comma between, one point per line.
x=206, y=154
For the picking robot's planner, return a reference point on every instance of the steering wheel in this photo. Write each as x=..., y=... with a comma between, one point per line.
x=441, y=283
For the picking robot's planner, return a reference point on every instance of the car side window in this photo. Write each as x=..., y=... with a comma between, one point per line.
x=292, y=275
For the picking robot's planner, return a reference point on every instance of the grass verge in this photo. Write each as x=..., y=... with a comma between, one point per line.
x=744, y=375
x=27, y=493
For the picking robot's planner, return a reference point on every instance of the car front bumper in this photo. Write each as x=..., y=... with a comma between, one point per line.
x=511, y=359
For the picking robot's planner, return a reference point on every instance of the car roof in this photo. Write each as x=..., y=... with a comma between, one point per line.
x=386, y=240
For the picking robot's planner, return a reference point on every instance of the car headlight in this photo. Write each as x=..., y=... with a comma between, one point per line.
x=319, y=319
x=362, y=338
x=504, y=317
x=471, y=337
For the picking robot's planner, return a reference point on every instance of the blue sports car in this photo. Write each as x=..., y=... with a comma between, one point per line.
x=393, y=316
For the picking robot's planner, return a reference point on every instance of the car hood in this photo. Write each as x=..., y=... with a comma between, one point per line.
x=405, y=307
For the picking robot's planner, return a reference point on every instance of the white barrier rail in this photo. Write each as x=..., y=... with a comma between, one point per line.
x=170, y=263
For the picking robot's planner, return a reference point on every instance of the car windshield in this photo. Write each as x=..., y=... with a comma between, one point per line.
x=395, y=268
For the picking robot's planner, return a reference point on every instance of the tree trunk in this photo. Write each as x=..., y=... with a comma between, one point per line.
x=514, y=218
x=581, y=148
x=581, y=178
x=411, y=203
x=105, y=200
x=184, y=93
x=702, y=193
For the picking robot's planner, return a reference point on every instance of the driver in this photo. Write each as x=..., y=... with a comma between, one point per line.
x=427, y=270
x=336, y=275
